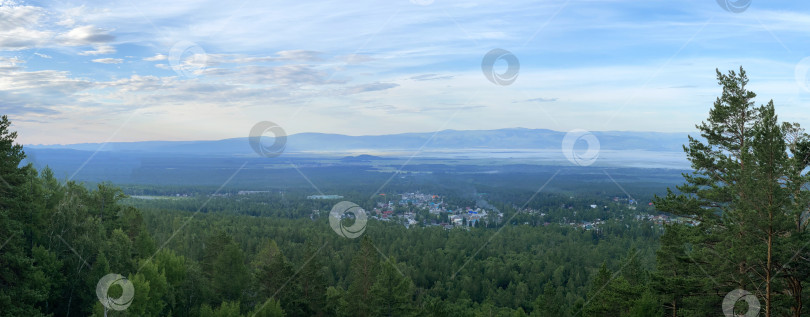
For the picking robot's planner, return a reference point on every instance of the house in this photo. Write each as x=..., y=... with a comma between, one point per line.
x=456, y=220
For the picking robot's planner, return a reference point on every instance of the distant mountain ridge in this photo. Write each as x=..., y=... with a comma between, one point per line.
x=511, y=138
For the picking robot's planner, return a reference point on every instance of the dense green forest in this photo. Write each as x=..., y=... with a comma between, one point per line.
x=260, y=255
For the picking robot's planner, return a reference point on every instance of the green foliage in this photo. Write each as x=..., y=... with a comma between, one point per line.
x=648, y=305
x=270, y=308
x=365, y=266
x=748, y=192
x=231, y=275
x=150, y=290
x=21, y=284
x=549, y=303
x=227, y=309
x=391, y=294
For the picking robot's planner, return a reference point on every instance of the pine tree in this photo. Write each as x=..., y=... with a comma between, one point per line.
x=365, y=266
x=213, y=247
x=611, y=296
x=270, y=308
x=674, y=278
x=150, y=288
x=226, y=309
x=19, y=292
x=746, y=193
x=391, y=294
x=312, y=282
x=336, y=304
x=272, y=273
x=548, y=303
x=647, y=305
x=173, y=267
x=230, y=274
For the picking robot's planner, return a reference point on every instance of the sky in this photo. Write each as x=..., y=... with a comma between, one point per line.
x=118, y=71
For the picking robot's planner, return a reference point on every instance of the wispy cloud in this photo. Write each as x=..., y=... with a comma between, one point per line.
x=431, y=77
x=99, y=50
x=369, y=87
x=108, y=60
x=157, y=57
x=354, y=59
x=540, y=99
x=27, y=26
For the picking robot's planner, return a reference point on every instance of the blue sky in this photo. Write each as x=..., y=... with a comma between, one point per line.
x=96, y=71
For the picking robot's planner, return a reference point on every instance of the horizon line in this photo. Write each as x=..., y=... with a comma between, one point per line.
x=364, y=135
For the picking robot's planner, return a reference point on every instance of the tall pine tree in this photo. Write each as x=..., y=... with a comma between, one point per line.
x=20, y=291
x=746, y=192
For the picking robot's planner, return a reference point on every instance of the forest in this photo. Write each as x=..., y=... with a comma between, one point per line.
x=210, y=255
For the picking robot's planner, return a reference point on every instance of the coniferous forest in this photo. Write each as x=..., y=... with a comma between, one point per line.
x=745, y=246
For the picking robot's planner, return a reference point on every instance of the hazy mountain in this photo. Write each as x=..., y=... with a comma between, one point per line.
x=514, y=138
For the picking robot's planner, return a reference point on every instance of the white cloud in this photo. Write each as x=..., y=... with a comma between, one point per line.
x=102, y=49
x=21, y=38
x=26, y=26
x=293, y=75
x=9, y=62
x=43, y=55
x=19, y=27
x=108, y=60
x=12, y=15
x=157, y=57
x=299, y=55
x=86, y=35
x=369, y=88
x=424, y=77
x=37, y=93
x=281, y=56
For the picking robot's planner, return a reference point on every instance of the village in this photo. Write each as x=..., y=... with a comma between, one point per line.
x=415, y=209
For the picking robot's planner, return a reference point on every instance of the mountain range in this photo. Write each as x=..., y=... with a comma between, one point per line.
x=445, y=140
